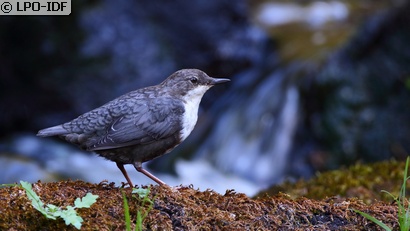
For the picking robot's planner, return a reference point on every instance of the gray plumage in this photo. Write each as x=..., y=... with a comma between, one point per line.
x=140, y=125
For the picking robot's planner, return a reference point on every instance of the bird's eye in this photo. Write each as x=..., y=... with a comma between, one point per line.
x=193, y=80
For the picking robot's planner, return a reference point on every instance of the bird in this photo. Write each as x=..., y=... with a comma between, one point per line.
x=140, y=125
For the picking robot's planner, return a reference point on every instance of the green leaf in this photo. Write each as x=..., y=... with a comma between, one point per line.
x=35, y=200
x=373, y=219
x=142, y=192
x=7, y=185
x=138, y=223
x=70, y=216
x=52, y=209
x=126, y=212
x=86, y=201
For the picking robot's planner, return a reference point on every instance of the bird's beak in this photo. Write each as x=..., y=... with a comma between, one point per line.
x=218, y=81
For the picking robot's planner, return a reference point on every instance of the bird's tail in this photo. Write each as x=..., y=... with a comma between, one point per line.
x=52, y=131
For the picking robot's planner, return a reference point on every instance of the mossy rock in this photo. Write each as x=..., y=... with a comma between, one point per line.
x=185, y=208
x=363, y=181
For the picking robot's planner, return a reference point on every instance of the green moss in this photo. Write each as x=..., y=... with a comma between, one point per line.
x=185, y=208
x=362, y=181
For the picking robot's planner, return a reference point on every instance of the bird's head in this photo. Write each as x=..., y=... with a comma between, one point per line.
x=190, y=83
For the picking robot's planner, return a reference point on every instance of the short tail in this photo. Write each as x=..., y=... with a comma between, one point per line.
x=52, y=131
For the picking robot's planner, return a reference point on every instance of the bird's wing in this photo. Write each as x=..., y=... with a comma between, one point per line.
x=143, y=123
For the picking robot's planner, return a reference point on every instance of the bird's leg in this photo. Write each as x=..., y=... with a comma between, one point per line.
x=122, y=169
x=138, y=166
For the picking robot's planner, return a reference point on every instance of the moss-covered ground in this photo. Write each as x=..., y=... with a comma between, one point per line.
x=322, y=203
x=364, y=182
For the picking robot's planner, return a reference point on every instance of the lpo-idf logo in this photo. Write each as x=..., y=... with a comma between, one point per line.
x=39, y=7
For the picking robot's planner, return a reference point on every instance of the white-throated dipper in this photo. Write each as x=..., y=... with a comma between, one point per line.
x=140, y=125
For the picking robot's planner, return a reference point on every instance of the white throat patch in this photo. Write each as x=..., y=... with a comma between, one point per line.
x=190, y=116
